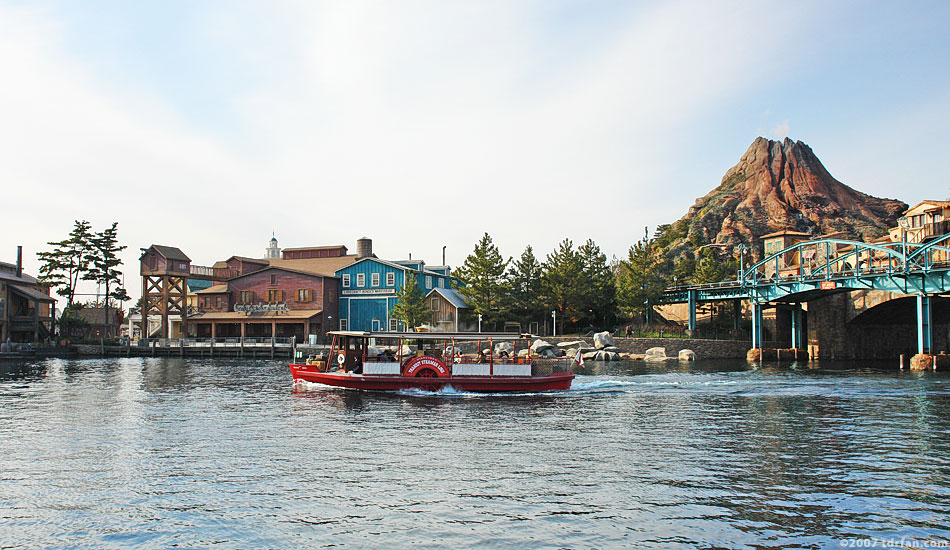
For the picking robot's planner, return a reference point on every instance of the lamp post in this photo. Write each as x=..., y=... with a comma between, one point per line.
x=741, y=261
x=554, y=329
x=479, y=322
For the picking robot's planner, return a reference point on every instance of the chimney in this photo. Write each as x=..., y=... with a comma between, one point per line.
x=364, y=248
x=19, y=261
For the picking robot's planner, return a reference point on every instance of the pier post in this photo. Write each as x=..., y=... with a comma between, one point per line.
x=757, y=332
x=691, y=293
x=797, y=326
x=924, y=324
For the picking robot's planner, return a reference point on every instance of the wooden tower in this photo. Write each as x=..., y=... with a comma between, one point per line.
x=165, y=271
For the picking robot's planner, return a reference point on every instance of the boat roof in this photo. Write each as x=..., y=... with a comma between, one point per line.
x=434, y=335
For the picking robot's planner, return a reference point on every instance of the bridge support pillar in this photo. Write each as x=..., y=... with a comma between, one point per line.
x=757, y=332
x=692, y=310
x=797, y=326
x=924, y=324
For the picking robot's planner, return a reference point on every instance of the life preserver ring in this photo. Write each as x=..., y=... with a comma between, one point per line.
x=341, y=358
x=417, y=365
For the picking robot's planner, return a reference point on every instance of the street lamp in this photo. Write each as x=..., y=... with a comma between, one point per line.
x=741, y=260
x=554, y=316
x=479, y=322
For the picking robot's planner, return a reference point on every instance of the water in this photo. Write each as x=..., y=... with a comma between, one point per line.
x=161, y=453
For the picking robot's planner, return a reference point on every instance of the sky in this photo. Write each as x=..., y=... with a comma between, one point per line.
x=212, y=125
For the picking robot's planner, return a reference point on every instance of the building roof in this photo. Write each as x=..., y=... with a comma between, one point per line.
x=214, y=289
x=326, y=247
x=238, y=316
x=31, y=293
x=933, y=204
x=97, y=315
x=452, y=296
x=326, y=267
x=170, y=252
x=396, y=265
x=23, y=279
x=249, y=260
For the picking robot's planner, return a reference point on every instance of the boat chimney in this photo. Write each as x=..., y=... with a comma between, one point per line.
x=364, y=248
x=19, y=261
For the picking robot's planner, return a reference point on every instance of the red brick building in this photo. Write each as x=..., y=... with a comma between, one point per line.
x=295, y=294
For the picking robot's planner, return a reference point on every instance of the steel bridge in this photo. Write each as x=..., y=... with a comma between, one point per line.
x=812, y=269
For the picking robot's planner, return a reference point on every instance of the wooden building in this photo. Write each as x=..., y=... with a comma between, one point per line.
x=26, y=308
x=450, y=312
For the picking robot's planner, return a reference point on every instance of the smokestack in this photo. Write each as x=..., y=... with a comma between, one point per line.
x=19, y=261
x=364, y=248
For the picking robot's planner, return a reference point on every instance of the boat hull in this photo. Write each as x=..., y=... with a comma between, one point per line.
x=482, y=384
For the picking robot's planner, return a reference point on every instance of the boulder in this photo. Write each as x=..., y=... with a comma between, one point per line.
x=753, y=355
x=614, y=349
x=590, y=356
x=603, y=340
x=922, y=361
x=571, y=344
x=539, y=345
x=548, y=352
x=504, y=346
x=522, y=353
x=632, y=356
x=687, y=355
x=655, y=354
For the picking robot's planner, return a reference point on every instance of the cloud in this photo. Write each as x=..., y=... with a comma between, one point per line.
x=781, y=130
x=417, y=124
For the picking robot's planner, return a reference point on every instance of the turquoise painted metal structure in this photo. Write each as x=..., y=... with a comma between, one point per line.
x=836, y=265
x=368, y=291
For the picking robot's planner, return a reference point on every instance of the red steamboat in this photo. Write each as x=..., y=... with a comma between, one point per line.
x=431, y=361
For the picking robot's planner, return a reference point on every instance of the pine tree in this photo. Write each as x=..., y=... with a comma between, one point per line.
x=563, y=282
x=105, y=247
x=410, y=305
x=64, y=266
x=524, y=287
x=640, y=282
x=599, y=294
x=483, y=280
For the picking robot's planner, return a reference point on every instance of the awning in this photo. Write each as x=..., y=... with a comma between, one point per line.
x=296, y=315
x=32, y=294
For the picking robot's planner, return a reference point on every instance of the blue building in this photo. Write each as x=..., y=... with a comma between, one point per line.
x=368, y=290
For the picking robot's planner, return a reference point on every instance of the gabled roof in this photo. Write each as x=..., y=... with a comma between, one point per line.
x=23, y=279
x=170, y=252
x=326, y=267
x=214, y=289
x=31, y=293
x=325, y=247
x=933, y=204
x=248, y=260
x=395, y=265
x=452, y=296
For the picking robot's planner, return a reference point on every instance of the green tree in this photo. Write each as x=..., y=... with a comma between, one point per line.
x=524, y=287
x=712, y=269
x=103, y=270
x=598, y=293
x=640, y=281
x=483, y=280
x=63, y=267
x=410, y=305
x=562, y=283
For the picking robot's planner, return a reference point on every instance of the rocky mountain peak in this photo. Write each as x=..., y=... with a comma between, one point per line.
x=780, y=185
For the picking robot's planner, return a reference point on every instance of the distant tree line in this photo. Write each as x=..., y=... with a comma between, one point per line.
x=84, y=255
x=579, y=283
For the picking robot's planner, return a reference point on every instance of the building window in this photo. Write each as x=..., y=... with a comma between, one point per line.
x=344, y=323
x=441, y=282
x=393, y=325
x=273, y=278
x=206, y=302
x=275, y=295
x=247, y=296
x=361, y=280
x=304, y=295
x=428, y=281
x=390, y=279
x=374, y=279
x=434, y=304
x=217, y=302
x=346, y=280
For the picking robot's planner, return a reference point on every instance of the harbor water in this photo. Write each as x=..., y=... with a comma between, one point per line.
x=226, y=453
